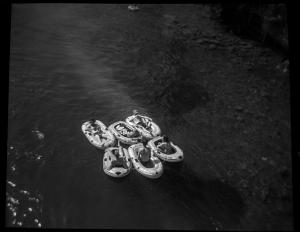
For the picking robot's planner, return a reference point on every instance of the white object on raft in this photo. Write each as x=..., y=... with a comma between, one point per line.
x=39, y=135
x=156, y=168
x=125, y=133
x=92, y=134
x=177, y=156
x=133, y=7
x=109, y=159
x=150, y=131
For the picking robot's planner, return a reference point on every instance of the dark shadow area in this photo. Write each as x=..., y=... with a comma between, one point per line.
x=211, y=198
x=266, y=23
x=182, y=95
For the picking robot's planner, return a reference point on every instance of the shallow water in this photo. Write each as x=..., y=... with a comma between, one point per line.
x=73, y=62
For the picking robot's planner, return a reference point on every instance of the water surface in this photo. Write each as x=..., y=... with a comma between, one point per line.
x=73, y=62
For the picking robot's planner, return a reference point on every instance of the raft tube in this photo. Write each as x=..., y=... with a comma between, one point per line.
x=92, y=134
x=154, y=167
x=148, y=133
x=125, y=133
x=177, y=156
x=116, y=170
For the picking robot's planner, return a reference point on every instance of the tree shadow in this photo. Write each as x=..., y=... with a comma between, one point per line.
x=218, y=201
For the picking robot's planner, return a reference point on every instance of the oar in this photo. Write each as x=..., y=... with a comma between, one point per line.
x=120, y=149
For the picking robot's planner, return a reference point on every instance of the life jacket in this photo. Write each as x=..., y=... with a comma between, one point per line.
x=145, y=152
x=166, y=148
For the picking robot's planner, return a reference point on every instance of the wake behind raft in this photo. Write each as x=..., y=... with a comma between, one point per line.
x=142, y=137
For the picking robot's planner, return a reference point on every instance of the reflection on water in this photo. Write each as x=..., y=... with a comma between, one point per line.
x=24, y=202
x=70, y=63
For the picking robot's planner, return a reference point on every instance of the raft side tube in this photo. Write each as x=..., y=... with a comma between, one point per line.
x=149, y=134
x=154, y=172
x=122, y=138
x=89, y=131
x=109, y=157
x=175, y=157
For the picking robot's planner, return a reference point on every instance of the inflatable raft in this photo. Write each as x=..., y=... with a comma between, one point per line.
x=144, y=125
x=175, y=156
x=116, y=162
x=152, y=169
x=125, y=133
x=98, y=134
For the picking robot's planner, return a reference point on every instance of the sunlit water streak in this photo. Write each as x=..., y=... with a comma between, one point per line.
x=70, y=63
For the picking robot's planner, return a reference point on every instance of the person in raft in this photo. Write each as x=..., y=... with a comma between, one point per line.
x=97, y=131
x=141, y=121
x=145, y=154
x=120, y=158
x=165, y=145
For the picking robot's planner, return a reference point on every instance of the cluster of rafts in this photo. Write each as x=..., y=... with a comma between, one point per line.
x=131, y=138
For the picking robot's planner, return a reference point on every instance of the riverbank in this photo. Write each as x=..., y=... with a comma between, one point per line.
x=236, y=91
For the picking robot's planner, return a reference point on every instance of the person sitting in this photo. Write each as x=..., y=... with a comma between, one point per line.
x=120, y=159
x=101, y=136
x=165, y=145
x=141, y=121
x=133, y=134
x=146, y=123
x=145, y=153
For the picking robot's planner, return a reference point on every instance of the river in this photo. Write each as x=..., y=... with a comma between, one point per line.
x=73, y=62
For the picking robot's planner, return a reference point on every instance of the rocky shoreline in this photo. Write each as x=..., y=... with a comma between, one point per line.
x=237, y=92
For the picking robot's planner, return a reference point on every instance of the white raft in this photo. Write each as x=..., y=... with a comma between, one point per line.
x=92, y=134
x=109, y=159
x=156, y=168
x=125, y=133
x=177, y=156
x=153, y=129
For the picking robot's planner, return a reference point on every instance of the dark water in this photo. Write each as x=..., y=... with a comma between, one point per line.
x=70, y=63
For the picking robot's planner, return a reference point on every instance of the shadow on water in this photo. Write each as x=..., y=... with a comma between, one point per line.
x=168, y=84
x=179, y=199
x=182, y=95
x=218, y=202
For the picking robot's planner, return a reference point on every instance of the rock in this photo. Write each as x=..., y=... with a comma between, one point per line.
x=11, y=184
x=240, y=118
x=186, y=32
x=285, y=173
x=212, y=46
x=24, y=192
x=213, y=41
x=200, y=41
x=263, y=194
x=230, y=173
x=243, y=166
x=264, y=93
x=133, y=7
x=14, y=201
x=264, y=158
x=248, y=46
x=239, y=108
x=13, y=167
x=244, y=183
x=170, y=17
x=39, y=135
x=231, y=48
